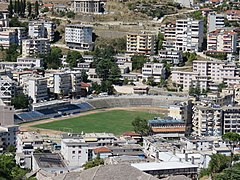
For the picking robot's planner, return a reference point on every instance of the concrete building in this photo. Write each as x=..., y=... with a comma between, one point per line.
x=7, y=89
x=36, y=29
x=6, y=115
x=19, y=31
x=141, y=43
x=189, y=35
x=215, y=21
x=7, y=136
x=155, y=70
x=35, y=47
x=87, y=6
x=172, y=57
x=27, y=143
x=79, y=36
x=38, y=62
x=169, y=32
x=167, y=128
x=185, y=3
x=125, y=67
x=50, y=29
x=36, y=89
x=222, y=40
x=206, y=73
x=62, y=83
x=7, y=38
x=231, y=119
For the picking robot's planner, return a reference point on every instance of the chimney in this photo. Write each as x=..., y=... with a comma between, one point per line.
x=157, y=157
x=192, y=159
x=186, y=157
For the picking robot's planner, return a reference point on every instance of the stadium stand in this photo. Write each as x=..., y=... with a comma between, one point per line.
x=84, y=107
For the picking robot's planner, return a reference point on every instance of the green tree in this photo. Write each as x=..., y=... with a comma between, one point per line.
x=11, y=53
x=93, y=163
x=138, y=61
x=141, y=126
x=221, y=86
x=10, y=9
x=29, y=7
x=45, y=9
x=218, y=163
x=52, y=60
x=106, y=86
x=70, y=14
x=11, y=149
x=84, y=76
x=73, y=57
x=36, y=8
x=150, y=81
x=20, y=101
x=160, y=41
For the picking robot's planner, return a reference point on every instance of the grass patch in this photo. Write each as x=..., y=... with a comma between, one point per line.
x=116, y=121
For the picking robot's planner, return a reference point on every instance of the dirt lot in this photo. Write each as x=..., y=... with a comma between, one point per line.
x=27, y=126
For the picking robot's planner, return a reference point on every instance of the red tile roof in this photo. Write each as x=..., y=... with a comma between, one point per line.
x=131, y=134
x=101, y=150
x=233, y=12
x=205, y=9
x=48, y=5
x=83, y=84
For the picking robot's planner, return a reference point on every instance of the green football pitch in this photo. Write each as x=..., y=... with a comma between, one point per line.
x=115, y=121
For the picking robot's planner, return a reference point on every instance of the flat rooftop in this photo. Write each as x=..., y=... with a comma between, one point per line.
x=163, y=166
x=30, y=136
x=48, y=160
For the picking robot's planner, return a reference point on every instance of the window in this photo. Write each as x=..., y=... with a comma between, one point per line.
x=73, y=152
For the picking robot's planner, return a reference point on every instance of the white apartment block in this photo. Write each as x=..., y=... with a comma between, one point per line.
x=169, y=32
x=41, y=29
x=76, y=79
x=189, y=35
x=86, y=6
x=206, y=72
x=35, y=47
x=7, y=136
x=141, y=43
x=215, y=21
x=172, y=57
x=222, y=40
x=79, y=36
x=36, y=29
x=36, y=89
x=7, y=38
x=7, y=88
x=62, y=83
x=20, y=33
x=125, y=67
x=155, y=70
x=37, y=62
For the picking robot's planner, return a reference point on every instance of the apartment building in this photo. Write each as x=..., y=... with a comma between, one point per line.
x=189, y=35
x=215, y=21
x=141, y=43
x=172, y=57
x=7, y=136
x=50, y=29
x=155, y=70
x=62, y=83
x=27, y=144
x=7, y=38
x=35, y=47
x=36, y=29
x=76, y=78
x=222, y=40
x=41, y=29
x=125, y=67
x=37, y=62
x=20, y=33
x=87, y=6
x=207, y=72
x=79, y=36
x=169, y=32
x=184, y=3
x=233, y=15
x=231, y=119
x=7, y=90
x=36, y=89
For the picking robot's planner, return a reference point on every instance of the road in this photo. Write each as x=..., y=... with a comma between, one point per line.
x=206, y=57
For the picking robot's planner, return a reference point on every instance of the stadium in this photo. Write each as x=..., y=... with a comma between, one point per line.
x=64, y=109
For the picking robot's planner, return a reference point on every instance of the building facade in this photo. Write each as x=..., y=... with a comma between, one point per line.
x=79, y=36
x=215, y=21
x=35, y=47
x=87, y=6
x=154, y=70
x=141, y=43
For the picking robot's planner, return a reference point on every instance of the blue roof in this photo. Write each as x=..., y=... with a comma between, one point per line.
x=165, y=121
